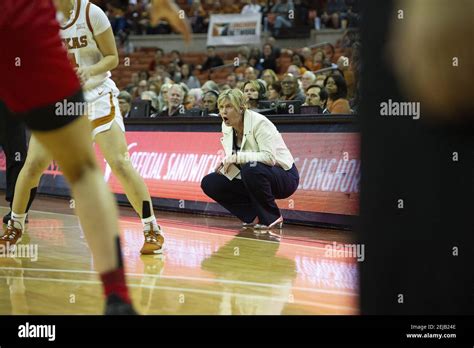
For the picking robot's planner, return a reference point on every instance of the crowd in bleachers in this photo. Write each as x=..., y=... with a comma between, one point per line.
x=159, y=83
x=131, y=16
x=321, y=79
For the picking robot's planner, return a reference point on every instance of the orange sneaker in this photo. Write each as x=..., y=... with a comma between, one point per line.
x=11, y=236
x=154, y=242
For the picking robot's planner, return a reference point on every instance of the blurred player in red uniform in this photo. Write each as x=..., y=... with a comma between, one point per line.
x=35, y=57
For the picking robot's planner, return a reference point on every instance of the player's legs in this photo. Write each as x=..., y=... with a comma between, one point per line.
x=95, y=205
x=113, y=145
x=32, y=36
x=37, y=160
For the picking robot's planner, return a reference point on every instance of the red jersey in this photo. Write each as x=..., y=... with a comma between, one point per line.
x=34, y=68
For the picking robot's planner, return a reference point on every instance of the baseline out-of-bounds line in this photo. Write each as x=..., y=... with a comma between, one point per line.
x=207, y=292
x=217, y=280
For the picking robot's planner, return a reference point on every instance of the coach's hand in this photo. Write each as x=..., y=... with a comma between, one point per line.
x=228, y=160
x=218, y=168
x=169, y=11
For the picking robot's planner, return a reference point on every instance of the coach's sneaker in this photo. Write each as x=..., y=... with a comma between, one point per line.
x=12, y=235
x=116, y=306
x=154, y=241
x=277, y=224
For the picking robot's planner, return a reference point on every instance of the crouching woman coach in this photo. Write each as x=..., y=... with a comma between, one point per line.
x=256, y=151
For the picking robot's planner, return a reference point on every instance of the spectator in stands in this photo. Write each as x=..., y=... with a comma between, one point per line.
x=277, y=52
x=208, y=86
x=133, y=83
x=212, y=60
x=264, y=166
x=254, y=91
x=158, y=60
x=274, y=91
x=173, y=71
x=254, y=60
x=155, y=83
x=118, y=22
x=163, y=97
x=194, y=98
x=240, y=85
x=346, y=71
x=268, y=59
x=143, y=75
x=307, y=80
x=153, y=98
x=160, y=70
x=175, y=101
x=282, y=10
x=250, y=74
x=251, y=7
x=353, y=13
x=125, y=101
x=223, y=87
x=209, y=102
x=337, y=91
x=290, y=88
x=176, y=58
x=243, y=55
x=232, y=80
x=197, y=15
x=335, y=11
x=185, y=89
x=142, y=87
x=329, y=52
x=316, y=96
x=320, y=78
x=298, y=59
x=318, y=60
x=188, y=78
x=294, y=70
x=308, y=58
x=269, y=76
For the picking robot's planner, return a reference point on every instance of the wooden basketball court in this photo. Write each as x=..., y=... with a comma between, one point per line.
x=209, y=266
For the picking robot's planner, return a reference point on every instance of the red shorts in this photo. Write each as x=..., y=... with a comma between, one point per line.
x=34, y=69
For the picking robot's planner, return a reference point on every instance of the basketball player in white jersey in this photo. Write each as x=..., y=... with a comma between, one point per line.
x=87, y=34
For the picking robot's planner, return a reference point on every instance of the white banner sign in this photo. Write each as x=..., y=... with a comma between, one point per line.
x=234, y=29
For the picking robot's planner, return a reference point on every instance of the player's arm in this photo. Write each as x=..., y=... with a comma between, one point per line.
x=106, y=44
x=108, y=48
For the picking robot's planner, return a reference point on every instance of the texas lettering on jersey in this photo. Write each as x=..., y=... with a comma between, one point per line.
x=75, y=42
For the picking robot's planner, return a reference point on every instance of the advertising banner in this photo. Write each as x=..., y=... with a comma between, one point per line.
x=174, y=163
x=234, y=29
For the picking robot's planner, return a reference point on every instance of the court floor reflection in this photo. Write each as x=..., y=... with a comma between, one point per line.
x=203, y=270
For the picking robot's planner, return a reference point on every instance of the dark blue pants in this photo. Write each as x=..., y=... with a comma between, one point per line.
x=255, y=194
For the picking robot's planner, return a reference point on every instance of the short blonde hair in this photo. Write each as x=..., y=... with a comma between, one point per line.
x=272, y=73
x=235, y=96
x=255, y=84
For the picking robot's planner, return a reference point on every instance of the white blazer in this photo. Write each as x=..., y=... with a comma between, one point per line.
x=261, y=142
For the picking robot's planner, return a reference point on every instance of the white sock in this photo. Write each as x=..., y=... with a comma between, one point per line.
x=19, y=220
x=146, y=223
